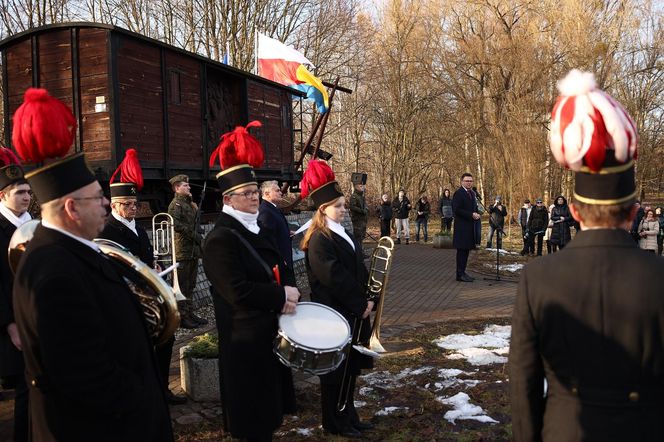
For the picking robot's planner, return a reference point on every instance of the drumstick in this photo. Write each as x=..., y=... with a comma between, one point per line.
x=277, y=275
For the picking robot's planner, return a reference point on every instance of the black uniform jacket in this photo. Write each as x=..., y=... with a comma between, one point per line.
x=338, y=278
x=89, y=359
x=273, y=219
x=139, y=245
x=589, y=319
x=247, y=303
x=11, y=359
x=463, y=205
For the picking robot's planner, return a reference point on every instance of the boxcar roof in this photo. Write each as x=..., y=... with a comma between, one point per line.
x=7, y=41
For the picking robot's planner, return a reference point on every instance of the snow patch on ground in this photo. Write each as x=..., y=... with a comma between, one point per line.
x=385, y=379
x=365, y=391
x=513, y=268
x=389, y=410
x=304, y=431
x=503, y=252
x=485, y=348
x=360, y=404
x=463, y=409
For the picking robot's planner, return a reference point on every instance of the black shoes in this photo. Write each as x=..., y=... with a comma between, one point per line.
x=188, y=323
x=407, y=240
x=465, y=278
x=199, y=320
x=349, y=432
x=173, y=399
x=363, y=426
x=398, y=241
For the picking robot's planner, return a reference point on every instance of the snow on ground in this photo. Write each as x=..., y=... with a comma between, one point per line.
x=489, y=347
x=506, y=267
x=463, y=409
x=306, y=432
x=360, y=404
x=365, y=391
x=386, y=379
x=503, y=252
x=389, y=410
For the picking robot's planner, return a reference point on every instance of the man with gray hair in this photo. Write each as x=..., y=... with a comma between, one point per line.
x=271, y=218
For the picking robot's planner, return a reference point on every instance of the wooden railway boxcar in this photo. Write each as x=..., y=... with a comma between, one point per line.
x=130, y=91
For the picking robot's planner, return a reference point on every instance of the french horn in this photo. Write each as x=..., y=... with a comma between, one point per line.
x=156, y=297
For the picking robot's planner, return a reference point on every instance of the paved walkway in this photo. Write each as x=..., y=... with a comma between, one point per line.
x=421, y=289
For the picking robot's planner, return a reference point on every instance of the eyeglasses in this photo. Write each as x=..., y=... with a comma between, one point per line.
x=248, y=194
x=129, y=204
x=99, y=198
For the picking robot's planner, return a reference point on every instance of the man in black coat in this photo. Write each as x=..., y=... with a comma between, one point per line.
x=589, y=320
x=497, y=214
x=272, y=218
x=89, y=358
x=122, y=228
x=537, y=223
x=14, y=203
x=464, y=205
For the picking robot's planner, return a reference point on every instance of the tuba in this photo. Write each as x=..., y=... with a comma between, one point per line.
x=156, y=297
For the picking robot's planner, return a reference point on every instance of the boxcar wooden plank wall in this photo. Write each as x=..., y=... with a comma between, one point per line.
x=184, y=111
x=266, y=104
x=93, y=84
x=19, y=76
x=225, y=107
x=140, y=101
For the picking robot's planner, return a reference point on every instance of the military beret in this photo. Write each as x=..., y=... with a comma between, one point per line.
x=180, y=178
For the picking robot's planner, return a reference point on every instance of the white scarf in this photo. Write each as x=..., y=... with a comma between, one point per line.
x=16, y=220
x=131, y=225
x=248, y=220
x=339, y=230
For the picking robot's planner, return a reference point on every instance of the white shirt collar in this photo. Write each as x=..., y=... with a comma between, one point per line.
x=16, y=220
x=131, y=225
x=339, y=230
x=87, y=242
x=248, y=220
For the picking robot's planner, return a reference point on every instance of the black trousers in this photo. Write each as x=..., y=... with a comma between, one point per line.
x=385, y=227
x=540, y=238
x=163, y=354
x=333, y=420
x=21, y=393
x=461, y=261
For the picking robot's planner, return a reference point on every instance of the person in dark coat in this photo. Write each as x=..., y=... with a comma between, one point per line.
x=595, y=334
x=359, y=212
x=89, y=360
x=562, y=220
x=14, y=203
x=401, y=208
x=251, y=285
x=445, y=209
x=385, y=216
x=423, y=209
x=122, y=228
x=537, y=223
x=497, y=214
x=464, y=205
x=272, y=218
x=338, y=278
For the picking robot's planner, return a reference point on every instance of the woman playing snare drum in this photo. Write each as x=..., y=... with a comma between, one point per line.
x=338, y=279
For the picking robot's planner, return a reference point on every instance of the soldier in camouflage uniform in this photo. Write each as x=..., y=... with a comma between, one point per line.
x=358, y=206
x=187, y=247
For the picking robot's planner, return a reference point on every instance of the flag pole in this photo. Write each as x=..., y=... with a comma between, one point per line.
x=255, y=52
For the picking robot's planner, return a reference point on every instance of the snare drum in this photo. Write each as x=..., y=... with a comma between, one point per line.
x=313, y=339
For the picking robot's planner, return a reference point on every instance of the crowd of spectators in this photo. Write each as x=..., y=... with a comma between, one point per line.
x=542, y=228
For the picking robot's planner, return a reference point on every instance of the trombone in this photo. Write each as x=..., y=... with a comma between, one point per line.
x=163, y=249
x=381, y=262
